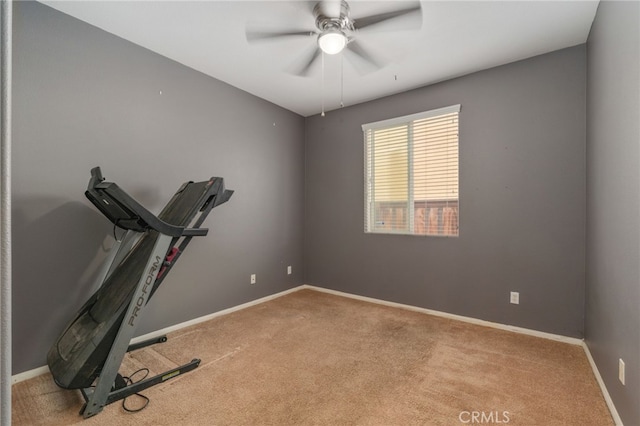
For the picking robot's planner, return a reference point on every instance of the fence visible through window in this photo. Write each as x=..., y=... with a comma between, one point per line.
x=429, y=218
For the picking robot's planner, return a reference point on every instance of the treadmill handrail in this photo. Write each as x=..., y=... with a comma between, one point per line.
x=128, y=204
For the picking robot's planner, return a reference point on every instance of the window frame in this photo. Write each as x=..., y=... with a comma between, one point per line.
x=369, y=170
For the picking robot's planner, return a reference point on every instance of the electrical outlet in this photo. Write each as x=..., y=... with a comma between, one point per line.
x=288, y=270
x=515, y=298
x=621, y=370
x=253, y=278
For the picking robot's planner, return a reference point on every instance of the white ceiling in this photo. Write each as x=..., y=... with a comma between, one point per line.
x=456, y=38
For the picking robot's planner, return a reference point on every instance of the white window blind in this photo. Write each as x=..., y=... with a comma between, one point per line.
x=411, y=174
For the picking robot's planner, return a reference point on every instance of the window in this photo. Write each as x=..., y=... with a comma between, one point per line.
x=411, y=174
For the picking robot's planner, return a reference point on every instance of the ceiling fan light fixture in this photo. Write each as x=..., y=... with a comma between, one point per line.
x=332, y=41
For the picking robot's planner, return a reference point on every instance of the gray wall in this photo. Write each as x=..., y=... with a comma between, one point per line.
x=613, y=204
x=84, y=98
x=522, y=197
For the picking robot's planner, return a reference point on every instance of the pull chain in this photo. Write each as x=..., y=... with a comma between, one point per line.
x=342, y=79
x=322, y=88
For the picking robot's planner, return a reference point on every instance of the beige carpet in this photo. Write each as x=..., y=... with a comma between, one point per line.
x=310, y=358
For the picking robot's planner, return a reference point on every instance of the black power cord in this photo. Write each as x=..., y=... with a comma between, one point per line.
x=129, y=381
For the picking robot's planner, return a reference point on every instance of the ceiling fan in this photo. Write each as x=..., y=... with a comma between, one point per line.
x=337, y=31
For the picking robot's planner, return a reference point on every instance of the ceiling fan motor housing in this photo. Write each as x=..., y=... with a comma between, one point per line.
x=327, y=23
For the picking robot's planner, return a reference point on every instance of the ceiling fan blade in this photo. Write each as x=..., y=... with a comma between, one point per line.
x=357, y=48
x=368, y=21
x=253, y=36
x=304, y=66
x=365, y=62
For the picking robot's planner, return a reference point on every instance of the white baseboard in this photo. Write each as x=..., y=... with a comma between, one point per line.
x=612, y=408
x=30, y=374
x=521, y=330
x=565, y=339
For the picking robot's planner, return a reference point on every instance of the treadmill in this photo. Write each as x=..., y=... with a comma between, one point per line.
x=90, y=350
